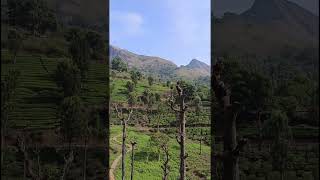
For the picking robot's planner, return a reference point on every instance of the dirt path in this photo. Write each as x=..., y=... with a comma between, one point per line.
x=117, y=160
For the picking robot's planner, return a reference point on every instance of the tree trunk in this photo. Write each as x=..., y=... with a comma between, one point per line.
x=85, y=160
x=214, y=166
x=67, y=165
x=39, y=164
x=281, y=175
x=2, y=144
x=200, y=145
x=24, y=169
x=200, y=139
x=259, y=124
x=132, y=162
x=230, y=162
x=124, y=136
x=14, y=58
x=3, y=137
x=165, y=166
x=182, y=140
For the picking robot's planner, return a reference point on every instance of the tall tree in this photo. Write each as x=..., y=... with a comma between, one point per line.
x=150, y=80
x=134, y=77
x=130, y=86
x=72, y=126
x=277, y=128
x=231, y=148
x=96, y=44
x=67, y=76
x=148, y=99
x=72, y=122
x=14, y=43
x=119, y=65
x=79, y=51
x=8, y=89
x=182, y=94
x=124, y=120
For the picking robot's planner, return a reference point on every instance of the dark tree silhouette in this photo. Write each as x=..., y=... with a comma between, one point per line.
x=14, y=43
x=8, y=89
x=231, y=147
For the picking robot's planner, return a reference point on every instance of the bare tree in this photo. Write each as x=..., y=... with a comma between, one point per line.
x=124, y=121
x=181, y=137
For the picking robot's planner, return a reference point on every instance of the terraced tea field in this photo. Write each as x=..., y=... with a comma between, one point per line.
x=38, y=97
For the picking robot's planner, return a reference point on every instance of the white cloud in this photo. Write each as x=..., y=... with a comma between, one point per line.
x=126, y=23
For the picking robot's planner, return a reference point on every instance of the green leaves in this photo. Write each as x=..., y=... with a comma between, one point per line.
x=119, y=65
x=67, y=77
x=71, y=115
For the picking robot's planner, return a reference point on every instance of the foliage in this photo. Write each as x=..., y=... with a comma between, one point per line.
x=150, y=80
x=130, y=86
x=168, y=83
x=67, y=77
x=33, y=15
x=197, y=104
x=135, y=76
x=148, y=98
x=278, y=129
x=71, y=115
x=14, y=43
x=132, y=98
x=96, y=44
x=189, y=90
x=119, y=65
x=8, y=89
x=79, y=50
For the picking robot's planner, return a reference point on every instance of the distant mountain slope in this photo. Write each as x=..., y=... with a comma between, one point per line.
x=194, y=70
x=161, y=67
x=268, y=28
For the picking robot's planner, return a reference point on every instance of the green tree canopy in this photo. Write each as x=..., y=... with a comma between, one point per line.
x=150, y=80
x=67, y=77
x=33, y=15
x=71, y=115
x=119, y=65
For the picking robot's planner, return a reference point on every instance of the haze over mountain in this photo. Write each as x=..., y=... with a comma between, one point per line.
x=269, y=27
x=161, y=67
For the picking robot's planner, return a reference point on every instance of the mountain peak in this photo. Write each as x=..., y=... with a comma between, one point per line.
x=265, y=10
x=285, y=12
x=194, y=63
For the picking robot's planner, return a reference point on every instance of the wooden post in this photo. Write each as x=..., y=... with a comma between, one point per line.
x=132, y=159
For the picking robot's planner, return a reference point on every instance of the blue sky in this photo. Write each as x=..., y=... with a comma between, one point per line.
x=177, y=30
